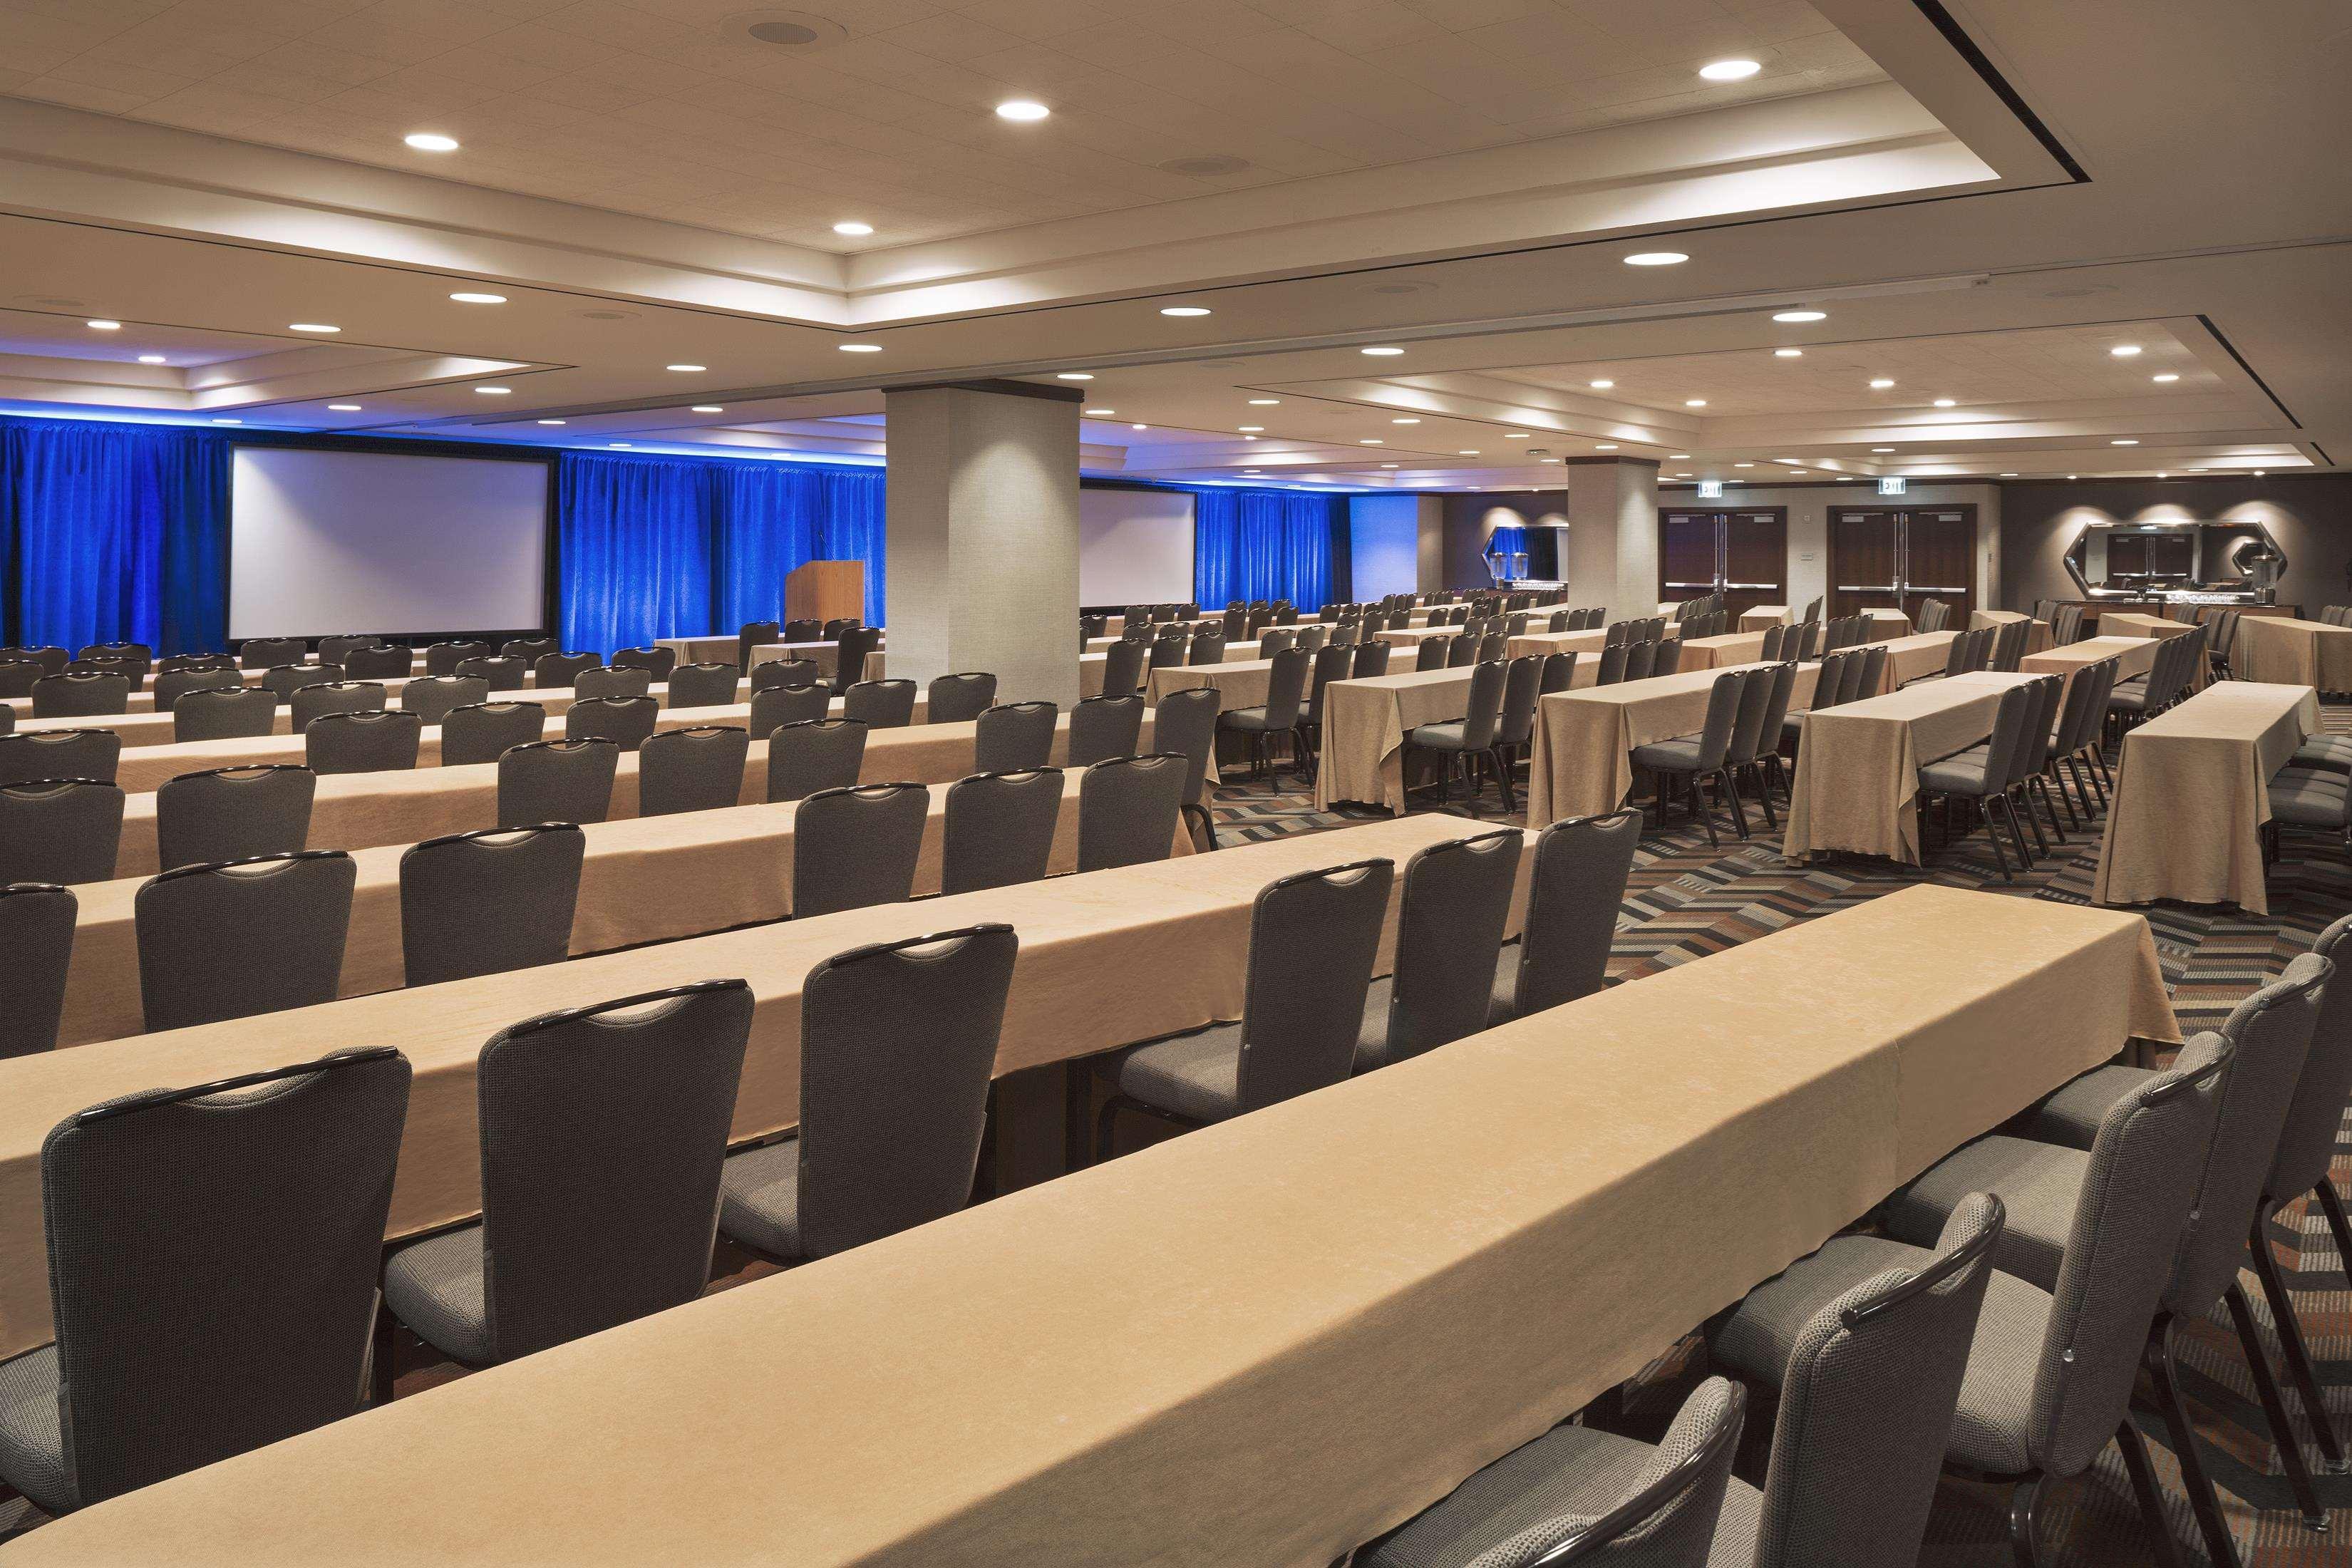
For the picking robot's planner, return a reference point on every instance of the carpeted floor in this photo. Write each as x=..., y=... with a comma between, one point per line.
x=1687, y=900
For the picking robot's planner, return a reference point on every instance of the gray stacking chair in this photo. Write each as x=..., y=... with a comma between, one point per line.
x=36, y=933
x=924, y=1015
x=701, y=769
x=1755, y=751
x=880, y=704
x=1430, y=654
x=1455, y=907
x=959, y=699
x=431, y=697
x=784, y=674
x=857, y=846
x=1209, y=646
x=233, y=814
x=220, y=713
x=212, y=1254
x=377, y=664
x=59, y=754
x=1129, y=810
x=1984, y=774
x=362, y=742
x=553, y=670
x=1829, y=683
x=1463, y=649
x=755, y=634
x=623, y=720
x=603, y=1130
x=803, y=631
x=1515, y=729
x=999, y=828
x=703, y=685
x=1455, y=742
x=1105, y=727
x=286, y=679
x=1185, y=723
x=49, y=660
x=1015, y=737
x=835, y=627
x=657, y=662
x=484, y=732
x=171, y=685
x=1313, y=936
x=62, y=830
x=1275, y=641
x=634, y=681
x=1558, y=674
x=1331, y=663
x=1371, y=659
x=1867, y=677
x=1579, y=1495
x=849, y=656
x=17, y=675
x=1708, y=754
x=488, y=902
x=1574, y=895
x=444, y=657
x=267, y=653
x=812, y=756
x=311, y=702
x=1611, y=669
x=503, y=674
x=78, y=695
x=777, y=706
x=132, y=658
x=556, y=781
x=2078, y=720
x=1665, y=658
x=527, y=649
x=1123, y=665
x=219, y=941
x=1641, y=660
x=2050, y=1373
x=1168, y=648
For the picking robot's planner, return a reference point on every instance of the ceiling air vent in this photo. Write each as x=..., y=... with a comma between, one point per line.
x=796, y=30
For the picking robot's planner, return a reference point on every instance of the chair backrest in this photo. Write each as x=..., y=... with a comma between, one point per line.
x=1481, y=710
x=1867, y=1398
x=701, y=769
x=556, y=781
x=841, y=625
x=1208, y=646
x=2009, y=644
x=623, y=720
x=137, y=654
x=1015, y=737
x=1574, y=897
x=755, y=634
x=999, y=828
x=1123, y=665
x=503, y=674
x=814, y=755
x=1185, y=723
x=1371, y=659
x=1462, y=650
x=74, y=694
x=884, y=704
x=1725, y=702
x=603, y=1131
x=233, y=814
x=2145, y=1164
x=229, y=939
x=1558, y=674
x=849, y=656
x=803, y=631
x=2306, y=1142
x=384, y=663
x=1432, y=653
x=1332, y=662
x=959, y=699
x=180, y=661
x=286, y=679
x=59, y=754
x=431, y=697
x=1166, y=652
x=775, y=706
x=1520, y=688
x=444, y=657
x=488, y=902
x=635, y=681
x=527, y=649
x=1273, y=643
x=2075, y=717
x=2032, y=752
x=898, y=1049
x=1667, y=1508
x=220, y=713
x=1313, y=936
x=64, y=830
x=657, y=662
x=485, y=732
x=1285, y=687
x=362, y=742
x=1666, y=658
x=1129, y=809
x=1957, y=653
x=213, y=1262
x=1641, y=660
x=37, y=933
x=1780, y=692
x=171, y=685
x=1612, y=664
x=17, y=676
x=1874, y=671
x=262, y=653
x=311, y=703
x=1773, y=637
x=1456, y=905
x=2016, y=709
x=552, y=669
x=702, y=685
x=857, y=846
x=783, y=674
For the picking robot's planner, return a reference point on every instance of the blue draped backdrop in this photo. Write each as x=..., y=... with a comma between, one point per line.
x=1265, y=545
x=113, y=534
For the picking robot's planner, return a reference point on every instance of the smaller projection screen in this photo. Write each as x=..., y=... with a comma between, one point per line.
x=322, y=542
x=1135, y=547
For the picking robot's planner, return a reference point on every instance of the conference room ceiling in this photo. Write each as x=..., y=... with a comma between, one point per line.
x=1982, y=232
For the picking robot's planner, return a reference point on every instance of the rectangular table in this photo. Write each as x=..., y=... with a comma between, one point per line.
x=1763, y=618
x=1364, y=725
x=971, y=1391
x=2130, y=623
x=150, y=727
x=1722, y=652
x=1091, y=667
x=1581, y=764
x=2193, y=792
x=700, y=650
x=2133, y=656
x=2297, y=652
x=1412, y=637
x=827, y=655
x=2036, y=639
x=1858, y=763
x=1921, y=653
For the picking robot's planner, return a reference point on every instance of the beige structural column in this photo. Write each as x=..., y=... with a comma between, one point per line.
x=1613, y=534
x=984, y=535
x=1429, y=559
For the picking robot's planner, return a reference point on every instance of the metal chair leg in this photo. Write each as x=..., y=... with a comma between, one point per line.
x=2149, y=1497
x=1726, y=781
x=2258, y=1361
x=2022, y=1501
x=2297, y=1355
x=2220, y=1544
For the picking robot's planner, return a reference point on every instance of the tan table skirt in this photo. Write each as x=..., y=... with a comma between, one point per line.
x=827, y=655
x=2133, y=656
x=1921, y=653
x=700, y=650
x=2037, y=639
x=408, y=805
x=1581, y=762
x=1364, y=725
x=2193, y=792
x=2275, y=650
x=1066, y=1374
x=1238, y=685
x=1763, y=618
x=1414, y=637
x=1174, y=933
x=1888, y=623
x=1858, y=763
x=1585, y=645
x=140, y=730
x=1722, y=652
x=2131, y=623
x=1091, y=667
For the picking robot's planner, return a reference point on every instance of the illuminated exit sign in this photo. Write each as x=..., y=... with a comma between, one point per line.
x=1892, y=485
x=1710, y=489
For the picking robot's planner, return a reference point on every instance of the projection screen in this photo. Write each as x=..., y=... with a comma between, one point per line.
x=324, y=542
x=1135, y=547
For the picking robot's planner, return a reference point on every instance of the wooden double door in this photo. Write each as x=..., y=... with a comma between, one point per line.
x=1742, y=553
x=1900, y=557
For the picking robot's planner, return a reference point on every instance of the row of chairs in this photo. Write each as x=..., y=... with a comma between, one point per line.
x=1746, y=709
x=2039, y=738
x=1496, y=732
x=1796, y=640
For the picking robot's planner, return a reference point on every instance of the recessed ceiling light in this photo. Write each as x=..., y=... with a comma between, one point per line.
x=1801, y=315
x=623, y=444
x=1947, y=402
x=707, y=408
x=853, y=229
x=152, y=359
x=2123, y=443
x=1371, y=441
x=1743, y=464
x=1467, y=452
x=431, y=141
x=1845, y=478
x=1517, y=435
x=1100, y=412
x=345, y=407
x=1383, y=351
x=551, y=422
x=1404, y=421
x=2073, y=476
x=687, y=368
x=103, y=326
x=493, y=391
x=1022, y=109
x=1549, y=459
x=2125, y=351
x=1656, y=258
x=470, y=297
x=1682, y=476
x=2009, y=476
x=1604, y=446
x=1729, y=70
x=1248, y=427
x=1882, y=448
x=1138, y=426
x=310, y=327
x=1072, y=375
x=1881, y=383
x=860, y=348
x=1387, y=465
x=1264, y=401
x=2163, y=475
x=1787, y=354
x=1183, y=310
x=1253, y=471
x=2167, y=375
x=1694, y=402
x=2260, y=472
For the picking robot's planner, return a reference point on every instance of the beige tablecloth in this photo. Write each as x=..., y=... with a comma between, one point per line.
x=2193, y=792
x=2296, y=653
x=1411, y=638
x=1921, y=653
x=1763, y=618
x=977, y=1391
x=1858, y=763
x=2133, y=656
x=2036, y=639
x=827, y=655
x=1888, y=623
x=1239, y=684
x=140, y=730
x=1090, y=673
x=1722, y=652
x=1364, y=724
x=1582, y=763
x=2131, y=623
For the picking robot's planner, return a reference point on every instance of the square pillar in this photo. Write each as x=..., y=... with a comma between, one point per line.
x=1613, y=534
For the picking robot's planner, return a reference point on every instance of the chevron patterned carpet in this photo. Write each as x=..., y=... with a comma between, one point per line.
x=1687, y=900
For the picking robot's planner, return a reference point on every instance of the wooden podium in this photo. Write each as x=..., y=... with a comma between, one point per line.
x=825, y=591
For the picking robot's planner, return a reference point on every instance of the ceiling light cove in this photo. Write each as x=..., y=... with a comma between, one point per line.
x=470, y=297
x=1787, y=354
x=1947, y=402
x=861, y=348
x=1264, y=401
x=1694, y=402
x=687, y=369
x=1729, y=70
x=1881, y=383
x=1247, y=428
x=1072, y=375
x=551, y=422
x=1801, y=315
x=1022, y=109
x=103, y=326
x=1678, y=457
x=152, y=359
x=1099, y=413
x=1517, y=435
x=1138, y=426
x=2125, y=351
x=2167, y=375
x=1604, y=446
x=342, y=407
x=1183, y=310
x=854, y=230
x=1656, y=258
x=431, y=141
x=1371, y=441
x=709, y=409
x=492, y=391
x=321, y=328
x=1404, y=421
x=1882, y=448
x=1382, y=350
x=2125, y=443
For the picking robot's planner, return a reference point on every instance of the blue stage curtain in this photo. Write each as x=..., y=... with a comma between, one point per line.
x=115, y=534
x=772, y=518
x=1264, y=544
x=637, y=545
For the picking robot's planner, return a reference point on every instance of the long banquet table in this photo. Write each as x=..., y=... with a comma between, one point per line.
x=2037, y=638
x=2133, y=656
x=148, y=728
x=2134, y=623
x=2192, y=792
x=1858, y=763
x=1361, y=756
x=2275, y=650
x=972, y=1391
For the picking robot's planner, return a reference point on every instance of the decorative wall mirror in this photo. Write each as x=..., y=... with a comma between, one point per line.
x=2143, y=560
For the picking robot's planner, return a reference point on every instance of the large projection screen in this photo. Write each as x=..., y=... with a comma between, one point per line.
x=322, y=542
x=1135, y=547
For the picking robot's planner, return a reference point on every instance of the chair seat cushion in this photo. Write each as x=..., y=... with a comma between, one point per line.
x=1963, y=774
x=760, y=1198
x=32, y=1435
x=2071, y=1116
x=1196, y=1076
x=1254, y=719
x=1569, y=1472
x=2039, y=1185
x=2331, y=752
x=2310, y=798
x=435, y=1287
x=1676, y=756
x=1453, y=735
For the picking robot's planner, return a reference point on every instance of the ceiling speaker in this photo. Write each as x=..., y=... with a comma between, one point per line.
x=798, y=31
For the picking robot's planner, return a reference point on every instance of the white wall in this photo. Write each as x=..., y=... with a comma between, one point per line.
x=1135, y=547
x=1383, y=545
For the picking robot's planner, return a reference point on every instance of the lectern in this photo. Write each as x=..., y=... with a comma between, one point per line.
x=825, y=591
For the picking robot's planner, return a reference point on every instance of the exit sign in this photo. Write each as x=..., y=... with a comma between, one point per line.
x=1710, y=489
x=1893, y=485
